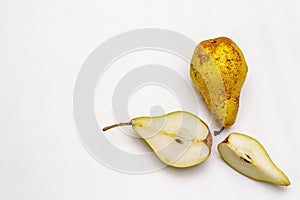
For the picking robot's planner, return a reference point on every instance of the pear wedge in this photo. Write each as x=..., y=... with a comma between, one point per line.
x=248, y=157
x=179, y=139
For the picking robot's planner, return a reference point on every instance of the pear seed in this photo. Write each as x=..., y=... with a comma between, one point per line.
x=245, y=160
x=179, y=141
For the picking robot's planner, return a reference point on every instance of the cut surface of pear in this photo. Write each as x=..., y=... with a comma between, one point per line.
x=218, y=70
x=179, y=139
x=248, y=157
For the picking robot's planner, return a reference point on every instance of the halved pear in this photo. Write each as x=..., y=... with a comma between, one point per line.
x=179, y=139
x=247, y=156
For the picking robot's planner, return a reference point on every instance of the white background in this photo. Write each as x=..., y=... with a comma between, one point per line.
x=42, y=47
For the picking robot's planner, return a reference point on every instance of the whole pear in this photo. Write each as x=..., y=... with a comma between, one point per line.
x=218, y=70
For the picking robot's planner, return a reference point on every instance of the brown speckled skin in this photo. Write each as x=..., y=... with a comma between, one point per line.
x=218, y=70
x=208, y=141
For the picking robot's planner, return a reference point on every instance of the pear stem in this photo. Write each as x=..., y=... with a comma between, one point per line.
x=115, y=125
x=219, y=131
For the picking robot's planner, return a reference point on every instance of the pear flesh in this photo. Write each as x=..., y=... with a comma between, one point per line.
x=179, y=139
x=248, y=157
x=218, y=70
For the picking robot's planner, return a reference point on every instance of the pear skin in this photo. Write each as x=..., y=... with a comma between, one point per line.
x=218, y=70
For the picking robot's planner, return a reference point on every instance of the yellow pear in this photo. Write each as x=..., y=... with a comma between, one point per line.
x=218, y=70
